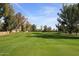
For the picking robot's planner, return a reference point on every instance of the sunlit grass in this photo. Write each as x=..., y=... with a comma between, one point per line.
x=39, y=44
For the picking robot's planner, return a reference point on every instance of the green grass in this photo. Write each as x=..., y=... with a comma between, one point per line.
x=39, y=44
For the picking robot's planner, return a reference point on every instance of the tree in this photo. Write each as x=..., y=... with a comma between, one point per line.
x=59, y=28
x=49, y=29
x=6, y=8
x=41, y=28
x=1, y=24
x=18, y=18
x=23, y=24
x=1, y=9
x=28, y=26
x=45, y=28
x=68, y=18
x=11, y=19
x=33, y=27
x=7, y=12
x=20, y=22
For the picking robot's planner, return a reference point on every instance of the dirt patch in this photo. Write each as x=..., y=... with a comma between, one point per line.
x=4, y=33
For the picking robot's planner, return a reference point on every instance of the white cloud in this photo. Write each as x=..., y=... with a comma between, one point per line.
x=48, y=9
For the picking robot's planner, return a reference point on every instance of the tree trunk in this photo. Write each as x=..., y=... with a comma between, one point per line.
x=76, y=33
x=70, y=32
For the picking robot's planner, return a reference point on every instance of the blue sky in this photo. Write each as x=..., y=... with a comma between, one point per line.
x=39, y=13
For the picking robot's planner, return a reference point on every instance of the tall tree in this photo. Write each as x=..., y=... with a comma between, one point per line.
x=8, y=13
x=20, y=20
x=28, y=26
x=33, y=27
x=45, y=28
x=49, y=29
x=41, y=28
x=11, y=19
x=1, y=9
x=23, y=24
x=68, y=18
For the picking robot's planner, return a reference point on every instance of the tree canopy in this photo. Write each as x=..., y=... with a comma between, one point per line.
x=68, y=17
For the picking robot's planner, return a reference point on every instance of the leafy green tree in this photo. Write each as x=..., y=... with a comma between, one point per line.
x=41, y=28
x=49, y=29
x=67, y=18
x=7, y=12
x=1, y=9
x=6, y=8
x=33, y=27
x=45, y=28
x=11, y=20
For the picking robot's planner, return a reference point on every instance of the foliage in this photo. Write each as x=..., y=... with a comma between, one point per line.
x=45, y=28
x=33, y=27
x=68, y=18
x=11, y=20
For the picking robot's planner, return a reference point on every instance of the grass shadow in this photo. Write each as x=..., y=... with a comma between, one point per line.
x=53, y=36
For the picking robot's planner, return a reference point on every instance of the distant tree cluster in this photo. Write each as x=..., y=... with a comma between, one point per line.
x=68, y=19
x=47, y=29
x=44, y=28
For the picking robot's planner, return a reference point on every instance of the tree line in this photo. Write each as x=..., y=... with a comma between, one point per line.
x=68, y=20
x=11, y=19
x=16, y=21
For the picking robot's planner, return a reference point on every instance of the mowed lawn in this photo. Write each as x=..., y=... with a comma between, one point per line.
x=39, y=44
